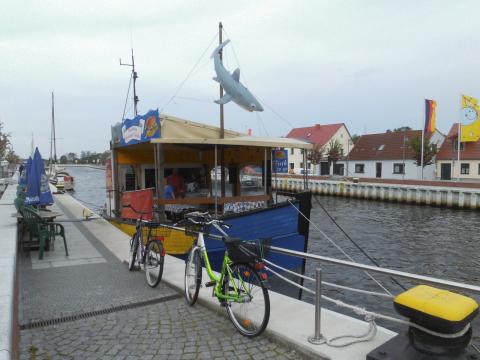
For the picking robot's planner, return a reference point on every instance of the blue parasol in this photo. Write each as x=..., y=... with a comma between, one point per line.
x=22, y=180
x=38, y=189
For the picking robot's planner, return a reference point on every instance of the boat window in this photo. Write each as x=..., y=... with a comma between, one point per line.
x=129, y=181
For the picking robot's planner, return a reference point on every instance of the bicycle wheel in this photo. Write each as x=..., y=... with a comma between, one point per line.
x=193, y=276
x=154, y=259
x=251, y=311
x=133, y=252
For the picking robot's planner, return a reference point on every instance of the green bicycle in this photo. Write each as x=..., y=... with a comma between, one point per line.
x=239, y=287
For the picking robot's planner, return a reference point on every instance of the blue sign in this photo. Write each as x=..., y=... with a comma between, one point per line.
x=141, y=128
x=280, y=161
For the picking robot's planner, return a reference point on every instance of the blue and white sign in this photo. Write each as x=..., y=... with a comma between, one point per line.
x=141, y=128
x=280, y=161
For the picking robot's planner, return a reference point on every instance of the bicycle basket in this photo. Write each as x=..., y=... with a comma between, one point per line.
x=247, y=251
x=155, y=231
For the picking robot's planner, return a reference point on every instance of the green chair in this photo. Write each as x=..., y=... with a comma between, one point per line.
x=45, y=232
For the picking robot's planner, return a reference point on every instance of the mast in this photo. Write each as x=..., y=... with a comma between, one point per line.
x=134, y=76
x=222, y=128
x=53, y=131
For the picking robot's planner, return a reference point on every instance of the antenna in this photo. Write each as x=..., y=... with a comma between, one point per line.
x=135, y=76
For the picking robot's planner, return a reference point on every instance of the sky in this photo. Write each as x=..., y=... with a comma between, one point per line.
x=369, y=64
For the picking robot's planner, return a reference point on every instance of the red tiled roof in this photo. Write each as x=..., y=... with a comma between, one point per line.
x=369, y=147
x=317, y=134
x=447, y=150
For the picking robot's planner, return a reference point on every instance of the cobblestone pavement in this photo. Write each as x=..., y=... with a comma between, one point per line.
x=170, y=330
x=166, y=330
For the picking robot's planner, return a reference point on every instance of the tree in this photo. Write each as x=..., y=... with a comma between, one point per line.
x=4, y=142
x=355, y=138
x=12, y=158
x=316, y=155
x=334, y=152
x=429, y=151
x=400, y=129
x=63, y=159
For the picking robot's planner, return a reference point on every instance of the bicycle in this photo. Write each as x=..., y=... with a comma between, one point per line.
x=240, y=287
x=152, y=252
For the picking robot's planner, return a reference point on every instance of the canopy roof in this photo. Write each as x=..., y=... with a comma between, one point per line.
x=179, y=131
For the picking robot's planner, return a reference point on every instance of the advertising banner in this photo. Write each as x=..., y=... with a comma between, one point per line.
x=140, y=200
x=280, y=161
x=141, y=128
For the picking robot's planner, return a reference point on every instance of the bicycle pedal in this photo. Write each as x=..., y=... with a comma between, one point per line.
x=210, y=284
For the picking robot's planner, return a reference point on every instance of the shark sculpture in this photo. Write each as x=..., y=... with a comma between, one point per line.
x=234, y=90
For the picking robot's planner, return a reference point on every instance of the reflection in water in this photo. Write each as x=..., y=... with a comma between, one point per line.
x=424, y=240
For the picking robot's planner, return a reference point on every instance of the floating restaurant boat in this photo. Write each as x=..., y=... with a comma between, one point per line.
x=147, y=149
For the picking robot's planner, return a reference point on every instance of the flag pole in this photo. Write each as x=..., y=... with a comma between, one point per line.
x=459, y=136
x=423, y=135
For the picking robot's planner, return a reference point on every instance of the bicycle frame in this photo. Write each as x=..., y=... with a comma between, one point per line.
x=225, y=271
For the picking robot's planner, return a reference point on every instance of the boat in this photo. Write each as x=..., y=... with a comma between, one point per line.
x=56, y=173
x=225, y=172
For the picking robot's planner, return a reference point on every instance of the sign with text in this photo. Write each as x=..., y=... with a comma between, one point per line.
x=280, y=161
x=141, y=128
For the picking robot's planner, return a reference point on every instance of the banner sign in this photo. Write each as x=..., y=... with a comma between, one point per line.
x=141, y=201
x=280, y=161
x=141, y=128
x=470, y=114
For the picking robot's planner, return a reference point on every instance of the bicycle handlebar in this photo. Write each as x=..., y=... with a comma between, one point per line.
x=208, y=220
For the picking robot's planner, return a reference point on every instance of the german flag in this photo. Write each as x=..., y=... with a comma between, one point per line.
x=430, y=106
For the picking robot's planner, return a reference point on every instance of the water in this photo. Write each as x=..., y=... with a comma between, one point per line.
x=424, y=240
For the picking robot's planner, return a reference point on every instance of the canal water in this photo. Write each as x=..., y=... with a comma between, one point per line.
x=439, y=242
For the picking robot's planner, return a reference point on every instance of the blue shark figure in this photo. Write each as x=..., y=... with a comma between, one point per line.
x=234, y=90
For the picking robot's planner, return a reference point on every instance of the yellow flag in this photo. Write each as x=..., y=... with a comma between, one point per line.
x=470, y=116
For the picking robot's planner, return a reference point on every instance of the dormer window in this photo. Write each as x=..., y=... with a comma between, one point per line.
x=309, y=134
x=381, y=147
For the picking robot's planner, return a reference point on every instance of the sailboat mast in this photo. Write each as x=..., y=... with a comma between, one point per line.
x=53, y=131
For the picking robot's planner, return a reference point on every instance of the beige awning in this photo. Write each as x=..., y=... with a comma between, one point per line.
x=269, y=142
x=179, y=131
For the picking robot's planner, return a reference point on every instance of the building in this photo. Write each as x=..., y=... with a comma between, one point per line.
x=320, y=135
x=388, y=156
x=447, y=158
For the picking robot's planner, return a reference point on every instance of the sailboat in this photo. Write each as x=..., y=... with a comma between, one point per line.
x=57, y=174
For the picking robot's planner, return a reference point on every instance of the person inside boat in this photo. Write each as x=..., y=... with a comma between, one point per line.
x=178, y=183
x=168, y=192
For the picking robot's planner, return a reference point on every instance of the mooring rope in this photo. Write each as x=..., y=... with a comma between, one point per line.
x=339, y=248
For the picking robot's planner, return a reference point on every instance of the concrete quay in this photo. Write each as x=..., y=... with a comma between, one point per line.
x=89, y=306
x=444, y=196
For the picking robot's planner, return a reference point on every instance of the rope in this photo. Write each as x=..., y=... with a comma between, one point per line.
x=354, y=243
x=326, y=283
x=340, y=249
x=126, y=98
x=372, y=315
x=188, y=75
x=368, y=336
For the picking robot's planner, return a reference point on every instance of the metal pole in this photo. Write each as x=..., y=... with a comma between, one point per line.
x=318, y=338
x=216, y=183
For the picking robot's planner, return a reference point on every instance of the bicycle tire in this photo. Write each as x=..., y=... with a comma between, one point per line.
x=193, y=276
x=251, y=317
x=133, y=252
x=153, y=264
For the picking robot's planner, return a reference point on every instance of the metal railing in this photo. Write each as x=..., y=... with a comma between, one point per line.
x=453, y=285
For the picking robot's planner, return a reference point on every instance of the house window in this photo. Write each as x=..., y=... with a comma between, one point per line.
x=360, y=168
x=309, y=165
x=465, y=169
x=301, y=151
x=150, y=178
x=292, y=151
x=478, y=169
x=462, y=146
x=292, y=165
x=399, y=168
x=301, y=165
x=130, y=181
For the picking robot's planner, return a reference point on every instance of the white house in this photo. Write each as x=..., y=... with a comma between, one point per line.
x=320, y=135
x=388, y=156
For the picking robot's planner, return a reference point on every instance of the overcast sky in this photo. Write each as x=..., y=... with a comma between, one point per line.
x=369, y=64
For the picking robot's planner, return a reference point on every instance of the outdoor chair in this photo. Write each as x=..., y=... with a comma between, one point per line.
x=41, y=230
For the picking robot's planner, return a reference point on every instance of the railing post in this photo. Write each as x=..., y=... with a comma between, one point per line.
x=318, y=338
